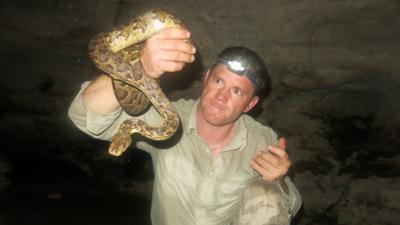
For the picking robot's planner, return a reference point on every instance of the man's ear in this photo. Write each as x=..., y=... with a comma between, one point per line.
x=253, y=102
x=206, y=76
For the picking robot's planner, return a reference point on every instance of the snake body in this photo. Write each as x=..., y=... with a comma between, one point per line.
x=117, y=54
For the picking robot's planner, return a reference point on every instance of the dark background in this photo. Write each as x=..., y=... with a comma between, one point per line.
x=336, y=90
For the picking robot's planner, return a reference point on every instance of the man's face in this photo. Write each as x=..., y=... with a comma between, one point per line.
x=225, y=96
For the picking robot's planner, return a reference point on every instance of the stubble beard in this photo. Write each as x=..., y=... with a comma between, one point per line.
x=215, y=115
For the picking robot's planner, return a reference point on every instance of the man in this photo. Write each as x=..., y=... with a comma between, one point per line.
x=225, y=168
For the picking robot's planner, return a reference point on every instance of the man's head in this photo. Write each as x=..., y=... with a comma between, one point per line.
x=245, y=62
x=231, y=86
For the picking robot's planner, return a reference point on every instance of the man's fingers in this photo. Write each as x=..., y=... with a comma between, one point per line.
x=274, y=164
x=260, y=169
x=266, y=158
x=266, y=171
x=177, y=45
x=281, y=153
x=177, y=56
x=167, y=51
x=281, y=149
x=171, y=66
x=173, y=33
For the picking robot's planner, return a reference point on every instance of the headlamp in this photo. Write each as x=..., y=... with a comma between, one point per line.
x=244, y=62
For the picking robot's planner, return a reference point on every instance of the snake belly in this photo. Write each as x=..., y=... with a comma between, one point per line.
x=117, y=54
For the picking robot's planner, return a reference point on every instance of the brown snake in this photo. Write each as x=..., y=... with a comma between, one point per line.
x=117, y=54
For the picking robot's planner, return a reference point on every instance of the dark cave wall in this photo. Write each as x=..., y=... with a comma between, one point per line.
x=335, y=72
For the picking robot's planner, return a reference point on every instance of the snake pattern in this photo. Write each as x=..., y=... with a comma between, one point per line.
x=117, y=54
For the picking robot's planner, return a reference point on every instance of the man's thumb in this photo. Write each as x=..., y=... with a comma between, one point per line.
x=282, y=143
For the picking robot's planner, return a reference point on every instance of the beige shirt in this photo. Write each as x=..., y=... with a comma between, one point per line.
x=190, y=187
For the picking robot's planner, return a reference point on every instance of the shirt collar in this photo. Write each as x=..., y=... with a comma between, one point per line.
x=240, y=139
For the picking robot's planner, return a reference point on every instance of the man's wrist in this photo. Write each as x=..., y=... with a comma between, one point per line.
x=147, y=71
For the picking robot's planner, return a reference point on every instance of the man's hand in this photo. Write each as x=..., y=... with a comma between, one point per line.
x=274, y=164
x=167, y=51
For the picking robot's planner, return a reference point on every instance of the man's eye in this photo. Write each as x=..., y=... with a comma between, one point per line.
x=218, y=81
x=237, y=91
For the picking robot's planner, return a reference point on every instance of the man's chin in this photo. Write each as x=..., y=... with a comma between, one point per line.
x=215, y=119
x=214, y=115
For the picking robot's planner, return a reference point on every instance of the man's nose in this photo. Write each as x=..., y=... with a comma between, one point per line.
x=223, y=94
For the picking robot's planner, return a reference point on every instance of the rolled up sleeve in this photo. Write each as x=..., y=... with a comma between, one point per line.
x=104, y=125
x=98, y=125
x=295, y=200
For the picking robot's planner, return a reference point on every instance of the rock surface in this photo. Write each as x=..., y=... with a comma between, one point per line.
x=336, y=94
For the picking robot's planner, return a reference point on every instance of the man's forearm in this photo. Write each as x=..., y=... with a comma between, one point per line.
x=99, y=95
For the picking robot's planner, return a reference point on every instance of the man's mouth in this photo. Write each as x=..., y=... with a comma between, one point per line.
x=217, y=105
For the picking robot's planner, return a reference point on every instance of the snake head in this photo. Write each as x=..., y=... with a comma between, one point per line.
x=120, y=143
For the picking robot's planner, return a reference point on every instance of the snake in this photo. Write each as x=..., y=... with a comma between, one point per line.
x=117, y=53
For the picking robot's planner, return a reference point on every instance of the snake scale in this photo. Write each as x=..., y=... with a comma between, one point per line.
x=117, y=54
